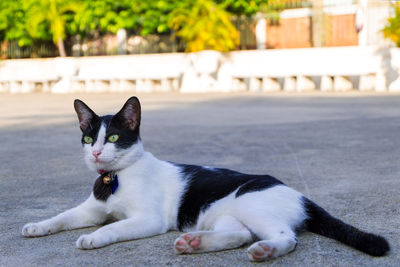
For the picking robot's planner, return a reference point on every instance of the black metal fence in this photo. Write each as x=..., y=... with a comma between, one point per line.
x=94, y=46
x=11, y=49
x=133, y=44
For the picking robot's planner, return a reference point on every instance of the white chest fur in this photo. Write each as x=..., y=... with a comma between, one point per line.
x=150, y=187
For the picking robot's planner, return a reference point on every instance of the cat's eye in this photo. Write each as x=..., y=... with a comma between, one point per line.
x=113, y=138
x=88, y=139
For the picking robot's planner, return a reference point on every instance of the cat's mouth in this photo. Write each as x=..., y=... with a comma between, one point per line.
x=101, y=162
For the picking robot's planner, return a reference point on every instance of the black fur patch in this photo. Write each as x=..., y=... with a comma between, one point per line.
x=321, y=222
x=207, y=185
x=126, y=138
x=92, y=130
x=257, y=184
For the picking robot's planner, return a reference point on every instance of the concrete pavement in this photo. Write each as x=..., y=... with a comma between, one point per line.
x=342, y=151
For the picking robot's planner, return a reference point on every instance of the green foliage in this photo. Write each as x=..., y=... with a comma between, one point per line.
x=141, y=17
x=242, y=7
x=101, y=16
x=203, y=24
x=392, y=29
x=207, y=21
x=154, y=15
x=47, y=18
x=13, y=22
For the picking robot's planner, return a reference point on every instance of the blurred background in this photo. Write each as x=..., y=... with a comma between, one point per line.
x=48, y=28
x=78, y=29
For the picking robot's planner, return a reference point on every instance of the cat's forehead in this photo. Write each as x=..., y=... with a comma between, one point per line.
x=106, y=120
x=96, y=123
x=111, y=125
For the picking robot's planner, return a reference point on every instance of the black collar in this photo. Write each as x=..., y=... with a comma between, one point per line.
x=105, y=185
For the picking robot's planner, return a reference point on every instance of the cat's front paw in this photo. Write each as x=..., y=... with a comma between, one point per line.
x=92, y=241
x=35, y=230
x=187, y=243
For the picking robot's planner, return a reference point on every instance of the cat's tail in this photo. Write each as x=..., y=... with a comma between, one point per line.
x=321, y=222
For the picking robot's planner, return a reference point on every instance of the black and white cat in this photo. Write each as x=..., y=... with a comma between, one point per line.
x=221, y=209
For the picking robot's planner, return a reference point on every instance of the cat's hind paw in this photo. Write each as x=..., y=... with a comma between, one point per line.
x=260, y=251
x=34, y=230
x=92, y=241
x=187, y=243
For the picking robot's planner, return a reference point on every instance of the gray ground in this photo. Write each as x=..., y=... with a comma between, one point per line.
x=341, y=151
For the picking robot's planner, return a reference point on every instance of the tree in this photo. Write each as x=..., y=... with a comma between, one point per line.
x=47, y=18
x=13, y=22
x=204, y=25
x=141, y=17
x=243, y=7
x=101, y=16
x=154, y=15
x=392, y=29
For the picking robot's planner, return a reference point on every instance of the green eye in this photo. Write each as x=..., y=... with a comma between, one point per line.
x=113, y=138
x=88, y=139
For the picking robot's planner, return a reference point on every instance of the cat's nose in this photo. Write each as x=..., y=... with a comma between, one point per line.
x=96, y=153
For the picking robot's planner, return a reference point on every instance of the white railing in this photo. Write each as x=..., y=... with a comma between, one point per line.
x=325, y=69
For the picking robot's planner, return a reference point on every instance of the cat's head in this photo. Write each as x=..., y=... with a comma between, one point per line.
x=111, y=142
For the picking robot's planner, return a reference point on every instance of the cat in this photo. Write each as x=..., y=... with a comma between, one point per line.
x=219, y=208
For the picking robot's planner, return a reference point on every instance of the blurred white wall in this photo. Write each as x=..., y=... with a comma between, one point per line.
x=327, y=69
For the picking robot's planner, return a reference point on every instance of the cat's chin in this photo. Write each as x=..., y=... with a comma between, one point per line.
x=106, y=166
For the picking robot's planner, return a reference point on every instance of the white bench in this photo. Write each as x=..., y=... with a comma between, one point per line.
x=142, y=73
x=260, y=70
x=26, y=75
x=266, y=70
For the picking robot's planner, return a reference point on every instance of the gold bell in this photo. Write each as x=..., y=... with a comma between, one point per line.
x=106, y=179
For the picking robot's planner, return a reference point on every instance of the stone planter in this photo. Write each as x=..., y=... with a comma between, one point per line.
x=202, y=68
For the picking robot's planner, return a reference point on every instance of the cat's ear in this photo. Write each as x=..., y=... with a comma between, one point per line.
x=130, y=113
x=85, y=114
